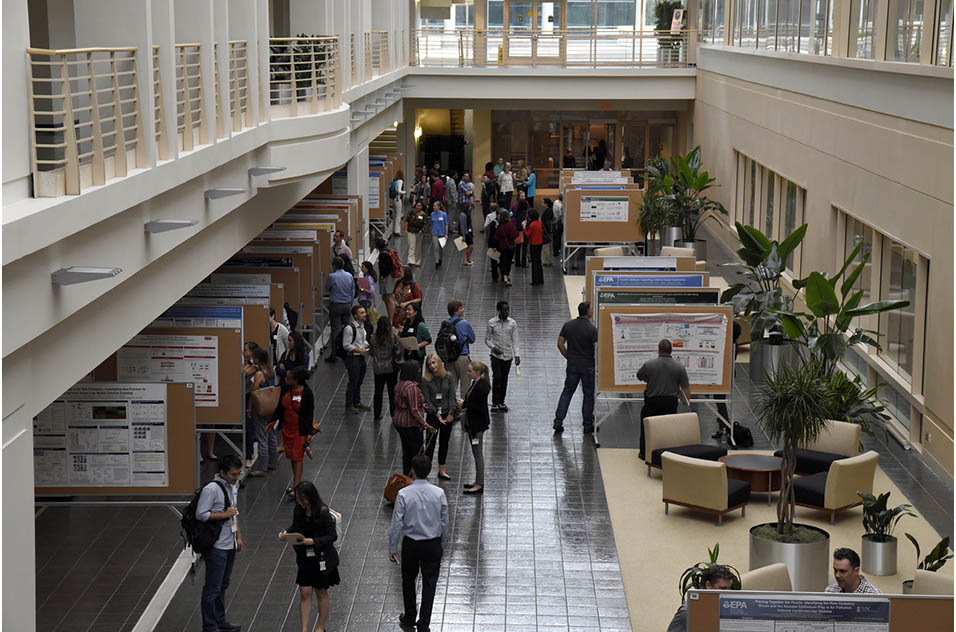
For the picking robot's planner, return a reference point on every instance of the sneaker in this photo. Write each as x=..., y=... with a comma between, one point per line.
x=588, y=428
x=719, y=434
x=495, y=408
x=352, y=410
x=363, y=407
x=558, y=426
x=502, y=408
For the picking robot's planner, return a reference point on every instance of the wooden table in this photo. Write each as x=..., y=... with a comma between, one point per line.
x=761, y=471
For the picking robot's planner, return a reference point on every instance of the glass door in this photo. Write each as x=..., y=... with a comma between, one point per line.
x=574, y=138
x=535, y=32
x=550, y=44
x=519, y=40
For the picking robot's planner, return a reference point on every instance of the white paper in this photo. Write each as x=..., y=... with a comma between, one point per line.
x=173, y=358
x=442, y=241
x=603, y=209
x=698, y=343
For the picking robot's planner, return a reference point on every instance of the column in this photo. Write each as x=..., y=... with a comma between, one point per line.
x=357, y=169
x=164, y=37
x=16, y=157
x=481, y=141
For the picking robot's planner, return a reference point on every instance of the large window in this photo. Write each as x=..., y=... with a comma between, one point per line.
x=944, y=34
x=861, y=41
x=904, y=31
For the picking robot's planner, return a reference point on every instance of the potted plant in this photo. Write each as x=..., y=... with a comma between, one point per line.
x=685, y=186
x=692, y=576
x=879, y=544
x=668, y=46
x=933, y=561
x=792, y=407
x=656, y=210
x=659, y=168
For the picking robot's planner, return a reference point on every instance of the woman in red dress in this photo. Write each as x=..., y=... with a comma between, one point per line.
x=295, y=413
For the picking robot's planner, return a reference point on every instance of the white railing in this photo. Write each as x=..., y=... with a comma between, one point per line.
x=239, y=84
x=353, y=62
x=86, y=124
x=190, y=123
x=376, y=54
x=159, y=112
x=586, y=48
x=303, y=75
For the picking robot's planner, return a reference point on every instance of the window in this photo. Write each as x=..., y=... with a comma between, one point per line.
x=822, y=27
x=706, y=18
x=944, y=34
x=753, y=192
x=768, y=204
x=904, y=31
x=855, y=233
x=767, y=25
x=794, y=201
x=865, y=13
x=719, y=7
x=896, y=403
x=898, y=283
x=788, y=17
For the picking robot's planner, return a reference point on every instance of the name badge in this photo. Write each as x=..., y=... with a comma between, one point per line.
x=475, y=441
x=438, y=396
x=322, y=565
x=297, y=398
x=310, y=552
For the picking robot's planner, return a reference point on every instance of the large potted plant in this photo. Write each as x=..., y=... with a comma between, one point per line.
x=878, y=548
x=933, y=561
x=792, y=407
x=668, y=46
x=685, y=185
x=692, y=577
x=657, y=211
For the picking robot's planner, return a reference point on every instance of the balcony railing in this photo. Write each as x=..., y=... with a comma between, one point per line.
x=86, y=124
x=239, y=85
x=190, y=123
x=303, y=75
x=376, y=54
x=159, y=113
x=584, y=48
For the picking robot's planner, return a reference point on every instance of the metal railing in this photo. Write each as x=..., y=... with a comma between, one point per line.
x=159, y=112
x=190, y=123
x=239, y=84
x=376, y=54
x=584, y=48
x=85, y=117
x=303, y=75
x=353, y=62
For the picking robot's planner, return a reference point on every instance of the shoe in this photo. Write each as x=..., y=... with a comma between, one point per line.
x=438, y=265
x=718, y=434
x=474, y=490
x=272, y=468
x=404, y=622
x=502, y=408
x=248, y=463
x=558, y=426
x=467, y=485
x=352, y=410
x=588, y=428
x=363, y=407
x=257, y=473
x=229, y=627
x=444, y=477
x=379, y=418
x=494, y=408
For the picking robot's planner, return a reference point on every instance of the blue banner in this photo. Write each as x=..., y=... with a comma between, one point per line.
x=649, y=280
x=224, y=312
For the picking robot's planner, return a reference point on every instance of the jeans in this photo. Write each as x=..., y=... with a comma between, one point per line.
x=444, y=435
x=411, y=445
x=385, y=381
x=573, y=375
x=355, y=364
x=652, y=407
x=477, y=452
x=268, y=444
x=499, y=380
x=339, y=314
x=420, y=556
x=218, y=570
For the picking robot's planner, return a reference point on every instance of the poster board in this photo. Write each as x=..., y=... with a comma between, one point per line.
x=696, y=331
x=651, y=264
x=308, y=233
x=293, y=247
x=287, y=276
x=655, y=296
x=903, y=613
x=303, y=258
x=645, y=278
x=358, y=221
x=275, y=289
x=606, y=216
x=97, y=434
x=377, y=192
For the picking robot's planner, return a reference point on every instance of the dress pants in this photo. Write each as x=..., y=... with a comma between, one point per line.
x=653, y=406
x=507, y=200
x=411, y=445
x=521, y=254
x=444, y=435
x=556, y=236
x=494, y=269
x=218, y=571
x=397, y=216
x=339, y=314
x=499, y=380
x=504, y=263
x=459, y=371
x=384, y=381
x=414, y=248
x=420, y=556
x=438, y=248
x=573, y=376
x=537, y=272
x=355, y=364
x=476, y=451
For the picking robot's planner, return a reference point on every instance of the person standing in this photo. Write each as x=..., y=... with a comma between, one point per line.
x=341, y=249
x=294, y=414
x=315, y=555
x=385, y=267
x=437, y=189
x=398, y=202
x=506, y=186
x=558, y=231
x=268, y=441
x=491, y=226
x=501, y=336
x=466, y=232
x=406, y=291
x=521, y=177
x=576, y=343
x=439, y=220
x=466, y=193
x=474, y=406
x=414, y=327
x=356, y=348
x=451, y=193
x=341, y=294
x=489, y=193
x=438, y=389
x=534, y=235
x=520, y=217
x=665, y=378
x=547, y=221
x=499, y=167
x=420, y=521
x=568, y=161
x=505, y=235
x=386, y=357
x=531, y=186
x=414, y=225
x=217, y=502
x=279, y=336
x=366, y=297
x=465, y=335
x=409, y=418
x=295, y=355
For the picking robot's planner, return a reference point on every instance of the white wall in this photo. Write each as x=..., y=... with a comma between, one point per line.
x=16, y=119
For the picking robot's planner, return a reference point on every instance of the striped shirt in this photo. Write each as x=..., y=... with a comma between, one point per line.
x=864, y=587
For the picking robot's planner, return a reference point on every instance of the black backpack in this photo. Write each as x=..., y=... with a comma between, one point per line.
x=201, y=536
x=340, y=341
x=447, y=345
x=743, y=438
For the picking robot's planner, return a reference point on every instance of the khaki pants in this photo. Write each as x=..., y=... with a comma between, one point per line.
x=414, y=244
x=459, y=368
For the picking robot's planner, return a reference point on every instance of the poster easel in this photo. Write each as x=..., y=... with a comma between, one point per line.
x=597, y=217
x=650, y=264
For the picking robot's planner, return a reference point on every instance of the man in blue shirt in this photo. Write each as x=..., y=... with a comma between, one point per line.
x=439, y=232
x=220, y=558
x=420, y=519
x=466, y=335
x=341, y=293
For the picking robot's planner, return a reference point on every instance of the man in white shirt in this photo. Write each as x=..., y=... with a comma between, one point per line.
x=501, y=337
x=558, y=209
x=353, y=341
x=341, y=249
x=279, y=334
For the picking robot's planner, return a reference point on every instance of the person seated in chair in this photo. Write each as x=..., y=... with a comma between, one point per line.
x=846, y=572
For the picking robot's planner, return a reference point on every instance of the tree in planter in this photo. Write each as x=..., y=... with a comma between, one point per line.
x=693, y=577
x=656, y=210
x=879, y=521
x=685, y=185
x=793, y=407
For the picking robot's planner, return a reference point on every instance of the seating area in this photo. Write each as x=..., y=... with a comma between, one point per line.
x=678, y=434
x=838, y=441
x=836, y=489
x=702, y=485
x=771, y=577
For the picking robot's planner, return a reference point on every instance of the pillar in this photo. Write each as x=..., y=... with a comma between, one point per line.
x=357, y=169
x=480, y=141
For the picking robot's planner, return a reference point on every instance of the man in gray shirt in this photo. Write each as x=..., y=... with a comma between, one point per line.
x=219, y=560
x=420, y=519
x=665, y=378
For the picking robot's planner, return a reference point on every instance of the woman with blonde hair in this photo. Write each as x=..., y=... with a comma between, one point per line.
x=438, y=389
x=476, y=422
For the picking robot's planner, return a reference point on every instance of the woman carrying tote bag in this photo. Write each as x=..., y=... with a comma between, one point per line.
x=263, y=401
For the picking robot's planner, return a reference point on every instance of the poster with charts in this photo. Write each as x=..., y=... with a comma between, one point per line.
x=698, y=343
x=103, y=434
x=806, y=613
x=373, y=190
x=603, y=209
x=173, y=358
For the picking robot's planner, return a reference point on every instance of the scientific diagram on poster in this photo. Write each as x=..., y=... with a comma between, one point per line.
x=173, y=358
x=103, y=435
x=604, y=209
x=698, y=343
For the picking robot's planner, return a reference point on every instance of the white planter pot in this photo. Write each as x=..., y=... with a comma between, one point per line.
x=808, y=564
x=878, y=558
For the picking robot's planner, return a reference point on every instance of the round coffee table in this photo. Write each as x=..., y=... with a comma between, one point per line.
x=761, y=471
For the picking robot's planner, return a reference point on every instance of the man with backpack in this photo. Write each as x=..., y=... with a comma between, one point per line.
x=217, y=504
x=451, y=344
x=341, y=294
x=354, y=348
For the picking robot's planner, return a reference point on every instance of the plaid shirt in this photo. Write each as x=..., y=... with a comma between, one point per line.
x=864, y=587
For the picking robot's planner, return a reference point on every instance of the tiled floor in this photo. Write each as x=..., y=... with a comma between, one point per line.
x=534, y=552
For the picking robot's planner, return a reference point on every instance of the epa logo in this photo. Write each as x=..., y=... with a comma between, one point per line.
x=736, y=605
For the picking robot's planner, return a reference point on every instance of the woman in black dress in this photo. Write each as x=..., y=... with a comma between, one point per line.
x=315, y=555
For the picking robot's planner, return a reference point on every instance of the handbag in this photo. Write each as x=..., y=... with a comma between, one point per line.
x=264, y=401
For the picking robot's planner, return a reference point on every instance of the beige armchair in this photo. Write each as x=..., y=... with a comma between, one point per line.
x=838, y=440
x=678, y=433
x=836, y=489
x=773, y=577
x=609, y=251
x=674, y=251
x=701, y=485
x=930, y=583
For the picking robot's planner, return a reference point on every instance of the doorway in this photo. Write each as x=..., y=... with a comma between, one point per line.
x=535, y=32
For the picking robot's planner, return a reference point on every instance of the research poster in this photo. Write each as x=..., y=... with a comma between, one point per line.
x=598, y=177
x=603, y=209
x=103, y=435
x=340, y=183
x=173, y=358
x=698, y=343
x=808, y=613
x=691, y=279
x=373, y=190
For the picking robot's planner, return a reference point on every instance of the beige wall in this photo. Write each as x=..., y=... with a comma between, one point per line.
x=893, y=173
x=480, y=141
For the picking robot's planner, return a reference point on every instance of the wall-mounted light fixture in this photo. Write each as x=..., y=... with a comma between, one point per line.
x=418, y=132
x=163, y=225
x=395, y=124
x=261, y=171
x=82, y=274
x=215, y=194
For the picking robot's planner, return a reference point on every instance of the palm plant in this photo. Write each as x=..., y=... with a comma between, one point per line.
x=656, y=209
x=663, y=16
x=685, y=185
x=935, y=559
x=793, y=405
x=693, y=577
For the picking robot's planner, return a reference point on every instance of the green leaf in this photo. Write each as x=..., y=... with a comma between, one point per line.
x=793, y=326
x=844, y=319
x=790, y=244
x=877, y=307
x=846, y=263
x=752, y=238
x=821, y=299
x=850, y=280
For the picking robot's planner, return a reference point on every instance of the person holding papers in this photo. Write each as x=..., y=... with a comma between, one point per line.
x=439, y=230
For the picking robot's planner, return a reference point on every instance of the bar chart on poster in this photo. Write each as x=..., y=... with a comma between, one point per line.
x=173, y=358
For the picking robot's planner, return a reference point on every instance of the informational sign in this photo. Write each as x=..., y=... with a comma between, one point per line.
x=599, y=187
x=676, y=21
x=206, y=317
x=697, y=339
x=292, y=250
x=649, y=280
x=653, y=264
x=598, y=177
x=173, y=358
x=703, y=296
x=294, y=235
x=340, y=183
x=604, y=209
x=229, y=290
x=221, y=278
x=808, y=613
x=373, y=190
x=103, y=434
